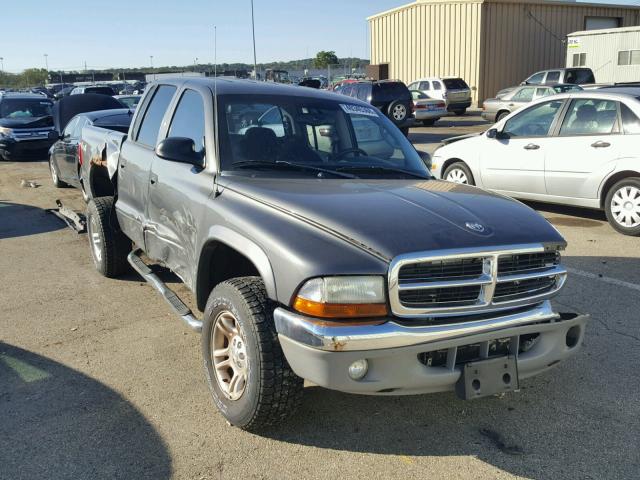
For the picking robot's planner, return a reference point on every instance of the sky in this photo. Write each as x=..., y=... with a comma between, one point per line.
x=72, y=32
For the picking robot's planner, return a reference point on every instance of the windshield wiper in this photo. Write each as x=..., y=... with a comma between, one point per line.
x=290, y=166
x=380, y=169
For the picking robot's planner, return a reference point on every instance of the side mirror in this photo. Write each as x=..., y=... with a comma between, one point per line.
x=524, y=83
x=497, y=134
x=426, y=158
x=181, y=150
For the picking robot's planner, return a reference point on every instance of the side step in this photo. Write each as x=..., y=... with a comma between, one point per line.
x=169, y=295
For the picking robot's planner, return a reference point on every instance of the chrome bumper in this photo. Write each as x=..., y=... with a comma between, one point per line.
x=391, y=334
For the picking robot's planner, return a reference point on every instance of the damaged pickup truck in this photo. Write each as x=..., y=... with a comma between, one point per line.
x=319, y=247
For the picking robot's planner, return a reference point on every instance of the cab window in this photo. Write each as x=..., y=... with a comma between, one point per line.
x=188, y=119
x=535, y=121
x=590, y=117
x=150, y=126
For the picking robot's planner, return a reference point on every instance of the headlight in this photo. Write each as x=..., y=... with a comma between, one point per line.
x=342, y=297
x=6, y=132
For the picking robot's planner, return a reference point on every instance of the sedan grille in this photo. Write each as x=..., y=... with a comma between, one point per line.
x=470, y=282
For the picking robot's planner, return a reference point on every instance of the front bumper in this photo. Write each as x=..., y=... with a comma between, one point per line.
x=322, y=354
x=16, y=149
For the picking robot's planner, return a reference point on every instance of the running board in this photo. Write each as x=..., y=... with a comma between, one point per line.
x=169, y=295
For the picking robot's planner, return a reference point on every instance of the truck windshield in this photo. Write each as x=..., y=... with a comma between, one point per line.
x=22, y=108
x=267, y=133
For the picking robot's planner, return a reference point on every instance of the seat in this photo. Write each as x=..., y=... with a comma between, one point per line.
x=586, y=120
x=260, y=144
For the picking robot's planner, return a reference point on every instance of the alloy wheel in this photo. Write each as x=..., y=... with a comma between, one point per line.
x=399, y=112
x=625, y=206
x=94, y=238
x=54, y=174
x=229, y=357
x=456, y=175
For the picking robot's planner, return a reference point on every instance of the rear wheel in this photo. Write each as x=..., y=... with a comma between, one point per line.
x=109, y=246
x=458, y=172
x=249, y=378
x=622, y=206
x=54, y=175
x=501, y=115
x=398, y=112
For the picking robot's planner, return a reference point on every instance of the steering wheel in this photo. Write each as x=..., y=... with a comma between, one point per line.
x=342, y=153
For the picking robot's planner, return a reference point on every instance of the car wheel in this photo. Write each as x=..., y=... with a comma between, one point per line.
x=461, y=112
x=622, y=206
x=109, y=246
x=54, y=175
x=398, y=112
x=248, y=375
x=501, y=115
x=430, y=122
x=458, y=172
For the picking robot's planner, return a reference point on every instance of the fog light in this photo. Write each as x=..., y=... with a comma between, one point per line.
x=358, y=369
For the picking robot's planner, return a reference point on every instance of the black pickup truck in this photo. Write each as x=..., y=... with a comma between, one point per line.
x=318, y=246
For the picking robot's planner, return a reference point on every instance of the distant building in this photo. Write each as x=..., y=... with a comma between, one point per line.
x=612, y=54
x=492, y=44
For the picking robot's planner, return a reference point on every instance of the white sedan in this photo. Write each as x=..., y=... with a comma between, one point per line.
x=579, y=149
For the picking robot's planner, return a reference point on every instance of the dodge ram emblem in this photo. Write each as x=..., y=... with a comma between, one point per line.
x=476, y=227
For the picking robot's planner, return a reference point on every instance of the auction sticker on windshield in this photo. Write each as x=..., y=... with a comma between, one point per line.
x=358, y=110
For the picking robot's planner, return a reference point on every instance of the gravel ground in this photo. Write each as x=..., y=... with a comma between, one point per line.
x=98, y=379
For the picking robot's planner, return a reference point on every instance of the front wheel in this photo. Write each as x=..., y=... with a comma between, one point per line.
x=458, y=172
x=248, y=375
x=622, y=206
x=55, y=178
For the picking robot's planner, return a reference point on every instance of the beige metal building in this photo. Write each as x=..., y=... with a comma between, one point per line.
x=492, y=44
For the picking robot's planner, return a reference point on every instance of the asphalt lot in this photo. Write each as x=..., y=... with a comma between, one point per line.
x=98, y=379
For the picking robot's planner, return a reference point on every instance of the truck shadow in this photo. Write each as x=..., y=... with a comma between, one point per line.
x=567, y=423
x=58, y=423
x=18, y=220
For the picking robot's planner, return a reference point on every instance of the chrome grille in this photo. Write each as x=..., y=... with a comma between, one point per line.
x=468, y=281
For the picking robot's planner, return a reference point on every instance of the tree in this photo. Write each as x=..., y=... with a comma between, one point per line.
x=324, y=59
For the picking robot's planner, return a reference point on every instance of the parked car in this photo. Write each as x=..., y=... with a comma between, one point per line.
x=574, y=76
x=453, y=90
x=63, y=92
x=340, y=261
x=26, y=125
x=129, y=101
x=391, y=97
x=578, y=148
x=495, y=109
x=427, y=110
x=99, y=89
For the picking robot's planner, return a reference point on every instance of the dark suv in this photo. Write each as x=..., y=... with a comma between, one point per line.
x=26, y=125
x=391, y=97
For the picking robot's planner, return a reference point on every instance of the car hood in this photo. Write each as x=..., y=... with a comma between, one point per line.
x=392, y=217
x=27, y=122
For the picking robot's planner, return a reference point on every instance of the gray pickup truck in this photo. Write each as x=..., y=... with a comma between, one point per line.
x=319, y=247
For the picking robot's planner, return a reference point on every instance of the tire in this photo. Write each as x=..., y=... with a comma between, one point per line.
x=267, y=391
x=622, y=206
x=398, y=112
x=460, y=112
x=501, y=115
x=430, y=122
x=109, y=246
x=55, y=178
x=459, y=172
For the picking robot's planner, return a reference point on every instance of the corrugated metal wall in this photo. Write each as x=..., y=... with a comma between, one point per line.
x=491, y=44
x=427, y=39
x=521, y=38
x=602, y=54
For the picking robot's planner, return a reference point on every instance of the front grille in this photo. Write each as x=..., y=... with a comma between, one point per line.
x=470, y=282
x=442, y=297
x=440, y=270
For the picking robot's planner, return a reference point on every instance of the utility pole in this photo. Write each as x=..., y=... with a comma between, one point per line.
x=253, y=29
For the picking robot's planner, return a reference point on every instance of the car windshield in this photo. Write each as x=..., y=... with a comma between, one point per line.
x=25, y=108
x=309, y=136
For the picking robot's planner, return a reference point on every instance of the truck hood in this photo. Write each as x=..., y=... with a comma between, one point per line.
x=392, y=217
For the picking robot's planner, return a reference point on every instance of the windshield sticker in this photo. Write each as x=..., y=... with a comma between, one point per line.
x=358, y=110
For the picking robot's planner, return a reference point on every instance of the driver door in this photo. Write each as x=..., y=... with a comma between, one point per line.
x=514, y=162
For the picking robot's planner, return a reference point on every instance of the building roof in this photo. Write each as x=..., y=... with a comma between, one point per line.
x=563, y=3
x=605, y=31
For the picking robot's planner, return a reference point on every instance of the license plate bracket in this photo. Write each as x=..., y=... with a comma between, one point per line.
x=488, y=377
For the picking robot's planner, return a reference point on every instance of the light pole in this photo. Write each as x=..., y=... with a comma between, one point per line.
x=215, y=51
x=195, y=64
x=253, y=30
x=1, y=64
x=46, y=65
x=151, y=60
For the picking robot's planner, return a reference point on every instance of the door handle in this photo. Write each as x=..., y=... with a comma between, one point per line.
x=531, y=146
x=600, y=144
x=153, y=179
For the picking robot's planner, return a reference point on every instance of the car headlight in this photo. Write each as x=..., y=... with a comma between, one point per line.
x=6, y=132
x=342, y=297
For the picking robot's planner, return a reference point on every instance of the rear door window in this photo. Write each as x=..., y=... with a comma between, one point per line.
x=553, y=77
x=188, y=120
x=424, y=86
x=150, y=127
x=590, y=117
x=630, y=121
x=364, y=92
x=437, y=85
